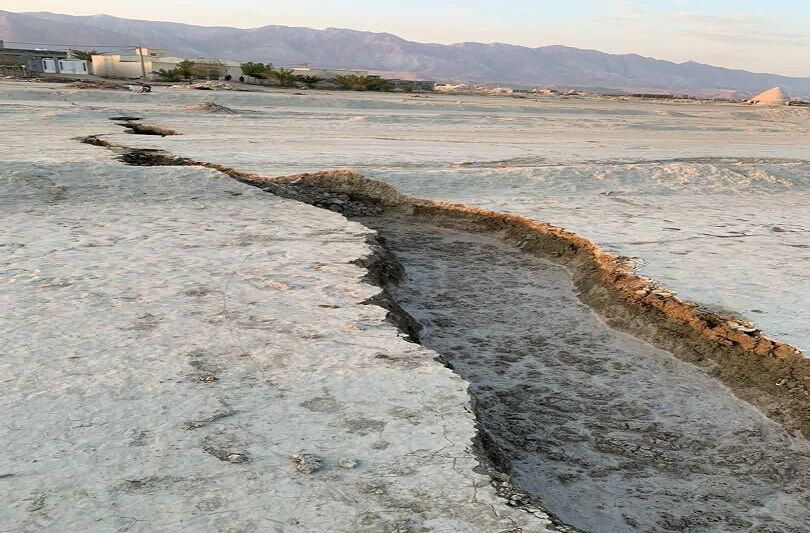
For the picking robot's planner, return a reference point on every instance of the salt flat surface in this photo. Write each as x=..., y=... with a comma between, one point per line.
x=171, y=338
x=711, y=199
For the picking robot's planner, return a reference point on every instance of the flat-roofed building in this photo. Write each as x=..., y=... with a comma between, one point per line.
x=41, y=61
x=129, y=66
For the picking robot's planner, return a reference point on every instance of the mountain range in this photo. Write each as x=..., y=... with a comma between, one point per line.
x=469, y=62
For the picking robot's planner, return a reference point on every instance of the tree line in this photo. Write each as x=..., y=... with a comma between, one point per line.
x=283, y=77
x=189, y=70
x=286, y=77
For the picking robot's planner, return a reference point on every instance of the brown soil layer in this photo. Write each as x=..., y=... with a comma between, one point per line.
x=209, y=107
x=772, y=375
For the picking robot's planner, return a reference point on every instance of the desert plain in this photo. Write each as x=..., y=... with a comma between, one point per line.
x=185, y=351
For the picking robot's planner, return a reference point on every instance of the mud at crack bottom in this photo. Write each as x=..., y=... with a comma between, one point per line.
x=608, y=433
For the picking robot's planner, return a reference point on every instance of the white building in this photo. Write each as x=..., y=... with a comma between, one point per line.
x=129, y=66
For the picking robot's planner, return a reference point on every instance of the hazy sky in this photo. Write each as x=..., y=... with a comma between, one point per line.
x=764, y=35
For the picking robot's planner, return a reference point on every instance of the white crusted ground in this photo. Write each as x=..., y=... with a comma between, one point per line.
x=158, y=320
x=171, y=338
x=712, y=199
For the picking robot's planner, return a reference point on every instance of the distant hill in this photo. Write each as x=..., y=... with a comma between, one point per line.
x=340, y=48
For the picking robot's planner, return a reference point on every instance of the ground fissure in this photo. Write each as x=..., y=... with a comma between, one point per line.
x=610, y=433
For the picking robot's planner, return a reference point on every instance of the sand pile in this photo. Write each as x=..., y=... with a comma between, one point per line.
x=775, y=96
x=209, y=107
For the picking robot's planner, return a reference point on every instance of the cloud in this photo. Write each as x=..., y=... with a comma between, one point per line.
x=736, y=38
x=739, y=27
x=624, y=12
x=729, y=28
x=738, y=19
x=631, y=11
x=761, y=40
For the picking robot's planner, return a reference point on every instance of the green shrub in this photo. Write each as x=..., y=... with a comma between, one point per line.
x=168, y=75
x=309, y=81
x=362, y=82
x=185, y=69
x=255, y=70
x=284, y=77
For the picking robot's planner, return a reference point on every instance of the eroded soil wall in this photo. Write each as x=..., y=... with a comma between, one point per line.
x=771, y=375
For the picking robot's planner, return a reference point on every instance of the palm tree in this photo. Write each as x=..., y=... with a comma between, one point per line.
x=376, y=83
x=168, y=75
x=309, y=81
x=255, y=70
x=362, y=82
x=346, y=81
x=285, y=77
x=185, y=69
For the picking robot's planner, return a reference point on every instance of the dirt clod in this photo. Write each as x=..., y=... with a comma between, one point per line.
x=305, y=463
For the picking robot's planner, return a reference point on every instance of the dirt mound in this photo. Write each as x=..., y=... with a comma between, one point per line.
x=209, y=85
x=147, y=129
x=97, y=84
x=209, y=107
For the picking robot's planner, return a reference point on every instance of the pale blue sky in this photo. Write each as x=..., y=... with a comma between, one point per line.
x=767, y=35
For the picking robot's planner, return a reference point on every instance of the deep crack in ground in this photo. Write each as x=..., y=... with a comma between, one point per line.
x=610, y=434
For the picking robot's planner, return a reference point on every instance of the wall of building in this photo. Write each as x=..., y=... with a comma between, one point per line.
x=235, y=71
x=30, y=59
x=165, y=63
x=327, y=74
x=412, y=85
x=116, y=66
x=74, y=67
